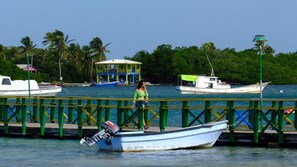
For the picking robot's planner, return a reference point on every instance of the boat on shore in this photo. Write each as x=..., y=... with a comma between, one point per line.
x=10, y=87
x=106, y=84
x=195, y=84
x=199, y=136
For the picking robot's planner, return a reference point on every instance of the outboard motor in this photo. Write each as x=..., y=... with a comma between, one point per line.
x=109, y=130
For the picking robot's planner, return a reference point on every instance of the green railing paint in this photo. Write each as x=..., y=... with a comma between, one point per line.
x=42, y=117
x=242, y=114
x=61, y=118
x=35, y=110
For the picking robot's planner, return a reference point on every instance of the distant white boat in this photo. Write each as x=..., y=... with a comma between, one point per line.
x=106, y=84
x=194, y=84
x=21, y=88
x=199, y=136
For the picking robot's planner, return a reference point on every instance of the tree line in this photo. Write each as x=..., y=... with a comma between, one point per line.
x=62, y=59
x=165, y=63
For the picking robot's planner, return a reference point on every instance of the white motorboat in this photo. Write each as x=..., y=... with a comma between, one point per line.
x=199, y=136
x=21, y=88
x=194, y=84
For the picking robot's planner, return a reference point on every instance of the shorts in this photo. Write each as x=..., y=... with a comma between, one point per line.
x=138, y=103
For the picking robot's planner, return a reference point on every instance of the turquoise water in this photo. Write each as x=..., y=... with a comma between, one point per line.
x=15, y=152
x=271, y=91
x=66, y=153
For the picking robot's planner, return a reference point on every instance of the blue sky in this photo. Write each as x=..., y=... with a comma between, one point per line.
x=134, y=25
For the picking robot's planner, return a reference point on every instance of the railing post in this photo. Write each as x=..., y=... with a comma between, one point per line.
x=99, y=114
x=79, y=118
x=126, y=110
x=53, y=111
x=107, y=110
x=231, y=119
x=61, y=118
x=273, y=113
x=185, y=114
x=207, y=114
x=17, y=109
x=163, y=115
x=251, y=115
x=35, y=110
x=256, y=122
x=281, y=124
x=70, y=110
x=166, y=114
x=89, y=110
x=119, y=113
x=24, y=116
x=42, y=117
x=4, y=110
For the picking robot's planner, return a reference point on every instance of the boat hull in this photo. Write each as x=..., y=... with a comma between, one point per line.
x=255, y=88
x=107, y=84
x=196, y=136
x=42, y=91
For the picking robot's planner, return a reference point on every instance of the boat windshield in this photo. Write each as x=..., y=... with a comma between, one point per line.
x=6, y=81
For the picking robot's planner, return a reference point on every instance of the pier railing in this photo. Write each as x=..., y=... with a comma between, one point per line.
x=277, y=115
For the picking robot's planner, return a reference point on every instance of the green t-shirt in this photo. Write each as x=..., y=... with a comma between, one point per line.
x=140, y=95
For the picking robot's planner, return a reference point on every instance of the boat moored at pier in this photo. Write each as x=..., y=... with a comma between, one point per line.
x=10, y=87
x=199, y=136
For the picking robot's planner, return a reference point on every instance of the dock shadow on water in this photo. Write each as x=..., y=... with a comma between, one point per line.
x=17, y=152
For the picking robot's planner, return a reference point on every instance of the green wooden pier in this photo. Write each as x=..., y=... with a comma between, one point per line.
x=250, y=121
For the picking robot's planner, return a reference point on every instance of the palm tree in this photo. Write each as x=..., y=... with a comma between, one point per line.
x=98, y=49
x=57, y=41
x=98, y=52
x=74, y=53
x=27, y=47
x=208, y=47
x=88, y=59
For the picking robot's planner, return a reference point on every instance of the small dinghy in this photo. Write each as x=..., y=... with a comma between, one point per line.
x=110, y=139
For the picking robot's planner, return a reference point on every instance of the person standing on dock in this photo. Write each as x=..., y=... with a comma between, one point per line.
x=140, y=97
